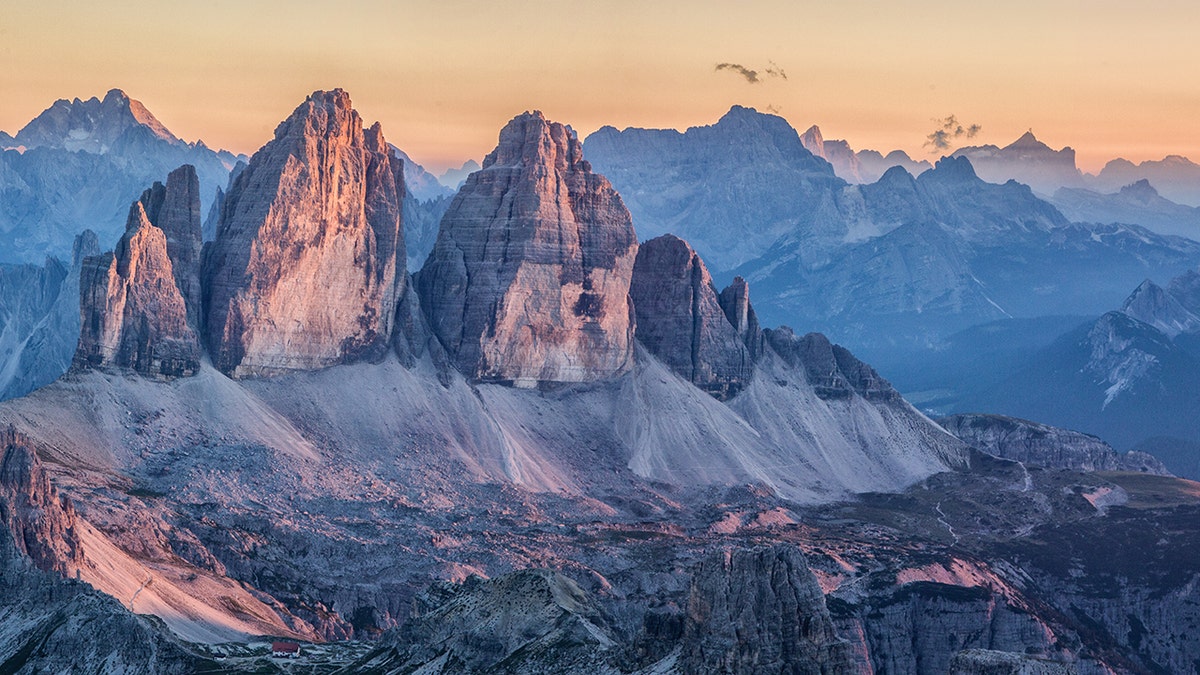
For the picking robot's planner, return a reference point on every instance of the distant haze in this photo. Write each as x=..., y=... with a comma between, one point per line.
x=1107, y=78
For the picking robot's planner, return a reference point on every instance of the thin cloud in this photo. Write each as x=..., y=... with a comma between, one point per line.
x=750, y=75
x=948, y=131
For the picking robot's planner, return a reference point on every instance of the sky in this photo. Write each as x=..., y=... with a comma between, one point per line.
x=1106, y=78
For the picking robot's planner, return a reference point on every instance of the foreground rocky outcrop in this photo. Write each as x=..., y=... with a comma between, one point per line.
x=530, y=621
x=42, y=524
x=133, y=314
x=308, y=264
x=1046, y=446
x=682, y=321
x=760, y=611
x=529, y=279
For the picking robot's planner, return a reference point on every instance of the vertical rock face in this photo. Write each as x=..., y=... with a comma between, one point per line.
x=42, y=524
x=760, y=611
x=175, y=209
x=529, y=279
x=735, y=300
x=681, y=320
x=308, y=261
x=132, y=313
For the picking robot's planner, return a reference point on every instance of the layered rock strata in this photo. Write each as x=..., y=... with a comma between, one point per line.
x=308, y=264
x=681, y=319
x=529, y=279
x=1044, y=445
x=132, y=313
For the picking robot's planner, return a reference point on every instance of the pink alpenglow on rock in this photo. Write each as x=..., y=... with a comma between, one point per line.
x=529, y=279
x=308, y=264
x=133, y=314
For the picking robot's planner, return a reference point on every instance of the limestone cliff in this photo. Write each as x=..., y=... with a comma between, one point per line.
x=529, y=279
x=132, y=313
x=680, y=318
x=174, y=208
x=308, y=263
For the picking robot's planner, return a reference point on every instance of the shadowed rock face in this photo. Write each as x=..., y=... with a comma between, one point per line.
x=308, y=262
x=760, y=611
x=831, y=369
x=735, y=300
x=681, y=320
x=133, y=314
x=529, y=279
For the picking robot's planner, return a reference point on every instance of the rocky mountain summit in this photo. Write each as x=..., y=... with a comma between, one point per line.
x=308, y=263
x=80, y=163
x=1027, y=160
x=529, y=279
x=94, y=126
x=1176, y=177
x=1173, y=310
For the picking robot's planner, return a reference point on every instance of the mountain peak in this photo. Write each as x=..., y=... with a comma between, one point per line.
x=530, y=139
x=956, y=168
x=1028, y=142
x=813, y=141
x=93, y=125
x=554, y=307
x=1141, y=189
x=321, y=201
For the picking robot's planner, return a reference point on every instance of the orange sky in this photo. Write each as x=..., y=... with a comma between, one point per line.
x=1107, y=78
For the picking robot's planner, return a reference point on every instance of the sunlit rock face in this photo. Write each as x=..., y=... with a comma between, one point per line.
x=308, y=263
x=681, y=321
x=174, y=208
x=42, y=524
x=133, y=316
x=529, y=279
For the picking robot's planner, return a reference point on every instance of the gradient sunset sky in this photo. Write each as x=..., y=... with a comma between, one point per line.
x=1107, y=78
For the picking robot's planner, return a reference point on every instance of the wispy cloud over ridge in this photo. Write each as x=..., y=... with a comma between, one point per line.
x=949, y=130
x=750, y=75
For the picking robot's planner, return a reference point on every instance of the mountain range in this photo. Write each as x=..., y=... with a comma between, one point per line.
x=558, y=443
x=886, y=266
